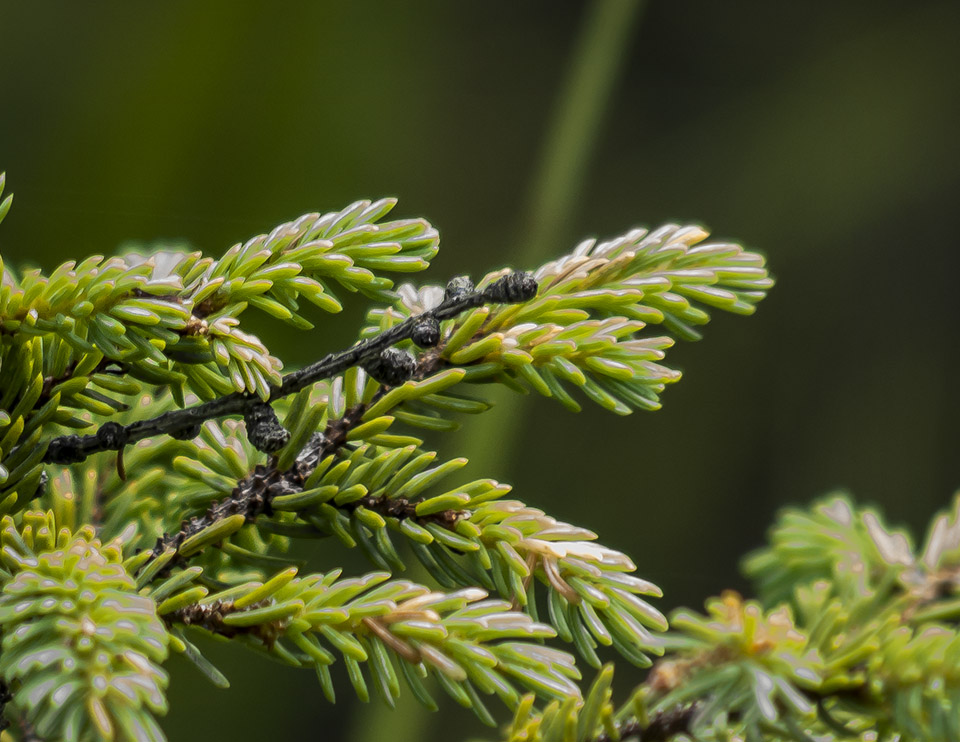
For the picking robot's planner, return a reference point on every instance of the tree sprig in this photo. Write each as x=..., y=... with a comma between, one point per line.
x=108, y=564
x=864, y=647
x=113, y=437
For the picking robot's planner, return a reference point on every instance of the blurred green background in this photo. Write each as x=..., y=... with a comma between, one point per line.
x=824, y=134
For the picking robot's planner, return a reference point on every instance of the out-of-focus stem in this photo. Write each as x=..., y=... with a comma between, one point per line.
x=555, y=189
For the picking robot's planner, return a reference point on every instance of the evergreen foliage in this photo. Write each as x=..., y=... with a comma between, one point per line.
x=854, y=636
x=80, y=646
x=156, y=464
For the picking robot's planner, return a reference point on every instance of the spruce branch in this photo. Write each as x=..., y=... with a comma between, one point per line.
x=466, y=534
x=864, y=647
x=81, y=647
x=118, y=571
x=79, y=344
x=471, y=645
x=254, y=493
x=516, y=287
x=601, y=323
x=172, y=318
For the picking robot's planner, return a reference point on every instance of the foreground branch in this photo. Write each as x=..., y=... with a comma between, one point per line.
x=252, y=496
x=460, y=296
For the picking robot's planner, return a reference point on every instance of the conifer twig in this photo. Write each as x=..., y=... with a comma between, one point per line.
x=93, y=603
x=70, y=449
x=252, y=495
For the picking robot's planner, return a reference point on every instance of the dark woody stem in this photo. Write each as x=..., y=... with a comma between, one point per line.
x=253, y=495
x=662, y=727
x=5, y=698
x=71, y=449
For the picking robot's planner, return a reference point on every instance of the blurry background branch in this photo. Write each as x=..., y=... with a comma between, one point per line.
x=560, y=175
x=563, y=154
x=853, y=636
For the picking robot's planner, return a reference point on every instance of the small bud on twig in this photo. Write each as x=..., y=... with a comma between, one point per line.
x=426, y=332
x=112, y=436
x=513, y=288
x=264, y=430
x=392, y=367
x=457, y=287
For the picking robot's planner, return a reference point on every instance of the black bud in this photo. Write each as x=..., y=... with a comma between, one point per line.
x=425, y=332
x=67, y=449
x=42, y=484
x=392, y=367
x=513, y=288
x=186, y=433
x=264, y=430
x=457, y=287
x=112, y=436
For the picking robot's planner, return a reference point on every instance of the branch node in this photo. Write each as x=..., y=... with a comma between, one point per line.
x=112, y=436
x=264, y=430
x=66, y=449
x=425, y=332
x=186, y=433
x=392, y=367
x=513, y=288
x=457, y=287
